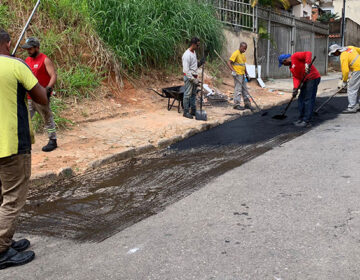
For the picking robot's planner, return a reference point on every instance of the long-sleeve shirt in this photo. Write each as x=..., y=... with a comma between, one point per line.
x=190, y=64
x=297, y=68
x=347, y=58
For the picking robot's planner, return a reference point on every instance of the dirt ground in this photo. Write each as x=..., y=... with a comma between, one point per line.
x=133, y=117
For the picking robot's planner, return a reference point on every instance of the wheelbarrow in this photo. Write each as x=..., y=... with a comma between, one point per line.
x=173, y=94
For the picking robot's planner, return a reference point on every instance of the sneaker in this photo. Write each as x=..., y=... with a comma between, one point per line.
x=351, y=110
x=297, y=122
x=20, y=245
x=188, y=115
x=52, y=145
x=302, y=124
x=11, y=257
x=238, y=107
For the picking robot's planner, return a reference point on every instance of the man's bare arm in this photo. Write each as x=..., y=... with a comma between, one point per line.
x=50, y=68
x=230, y=64
x=38, y=94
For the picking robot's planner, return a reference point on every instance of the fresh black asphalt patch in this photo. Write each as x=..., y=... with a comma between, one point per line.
x=97, y=205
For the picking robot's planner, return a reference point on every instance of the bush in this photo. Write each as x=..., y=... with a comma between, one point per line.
x=151, y=33
x=79, y=81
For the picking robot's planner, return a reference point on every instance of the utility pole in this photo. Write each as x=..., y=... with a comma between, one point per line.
x=343, y=22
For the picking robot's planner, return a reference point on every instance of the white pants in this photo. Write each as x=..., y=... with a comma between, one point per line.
x=353, y=89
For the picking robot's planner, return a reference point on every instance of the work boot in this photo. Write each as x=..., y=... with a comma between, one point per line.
x=303, y=124
x=20, y=245
x=193, y=111
x=351, y=110
x=187, y=115
x=52, y=145
x=11, y=257
x=248, y=105
x=238, y=107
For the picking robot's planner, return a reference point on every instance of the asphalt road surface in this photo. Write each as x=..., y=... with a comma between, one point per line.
x=276, y=203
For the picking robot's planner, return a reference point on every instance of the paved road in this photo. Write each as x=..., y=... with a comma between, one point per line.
x=291, y=213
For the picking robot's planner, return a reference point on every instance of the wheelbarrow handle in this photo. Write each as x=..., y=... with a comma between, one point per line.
x=158, y=93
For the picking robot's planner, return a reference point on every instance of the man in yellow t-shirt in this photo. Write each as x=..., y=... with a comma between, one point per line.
x=350, y=61
x=16, y=79
x=237, y=65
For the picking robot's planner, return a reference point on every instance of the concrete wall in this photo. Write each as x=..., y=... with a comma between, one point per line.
x=352, y=10
x=352, y=34
x=232, y=43
x=298, y=10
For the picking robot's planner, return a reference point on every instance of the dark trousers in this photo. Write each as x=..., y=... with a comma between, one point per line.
x=307, y=98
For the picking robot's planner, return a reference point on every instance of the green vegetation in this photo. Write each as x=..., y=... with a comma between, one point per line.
x=87, y=39
x=5, y=16
x=272, y=3
x=152, y=33
x=327, y=17
x=79, y=81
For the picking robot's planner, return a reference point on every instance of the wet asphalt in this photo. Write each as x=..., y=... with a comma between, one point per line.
x=97, y=205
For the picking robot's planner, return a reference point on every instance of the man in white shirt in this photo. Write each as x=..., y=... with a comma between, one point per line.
x=190, y=70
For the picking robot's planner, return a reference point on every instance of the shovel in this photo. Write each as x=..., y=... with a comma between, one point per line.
x=316, y=113
x=201, y=114
x=283, y=116
x=25, y=28
x=259, y=110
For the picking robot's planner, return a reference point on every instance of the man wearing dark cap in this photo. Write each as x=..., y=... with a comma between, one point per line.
x=299, y=64
x=16, y=137
x=44, y=70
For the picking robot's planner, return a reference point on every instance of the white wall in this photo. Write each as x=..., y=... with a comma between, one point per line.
x=352, y=10
x=298, y=10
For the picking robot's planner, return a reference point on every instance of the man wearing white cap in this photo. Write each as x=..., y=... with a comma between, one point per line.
x=350, y=61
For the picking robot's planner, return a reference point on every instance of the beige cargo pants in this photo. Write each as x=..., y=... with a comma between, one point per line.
x=15, y=172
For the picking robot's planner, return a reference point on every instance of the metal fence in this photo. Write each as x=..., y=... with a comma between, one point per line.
x=283, y=34
x=237, y=13
x=287, y=34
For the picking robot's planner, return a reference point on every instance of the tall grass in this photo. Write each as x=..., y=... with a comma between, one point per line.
x=151, y=33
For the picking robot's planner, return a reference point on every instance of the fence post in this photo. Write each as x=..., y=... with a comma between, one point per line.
x=293, y=35
x=313, y=39
x=268, y=46
x=326, y=53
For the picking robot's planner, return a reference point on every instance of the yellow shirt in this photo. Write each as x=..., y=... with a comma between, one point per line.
x=15, y=130
x=238, y=60
x=346, y=58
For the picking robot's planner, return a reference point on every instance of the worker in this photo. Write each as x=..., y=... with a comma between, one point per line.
x=237, y=65
x=44, y=70
x=350, y=61
x=16, y=79
x=299, y=64
x=190, y=70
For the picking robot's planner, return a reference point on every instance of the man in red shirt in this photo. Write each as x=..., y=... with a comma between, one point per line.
x=44, y=70
x=299, y=64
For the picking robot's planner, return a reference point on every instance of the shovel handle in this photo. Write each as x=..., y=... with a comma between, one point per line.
x=25, y=27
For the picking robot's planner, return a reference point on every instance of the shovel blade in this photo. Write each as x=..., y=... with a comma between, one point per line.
x=279, y=117
x=201, y=115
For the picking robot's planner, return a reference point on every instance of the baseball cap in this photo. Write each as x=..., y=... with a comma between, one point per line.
x=282, y=58
x=31, y=43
